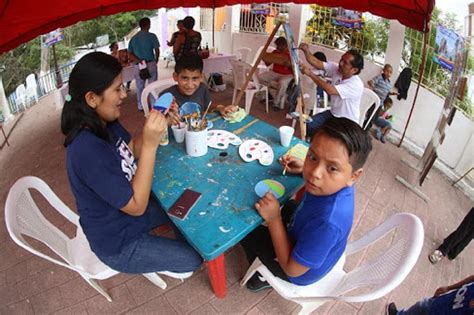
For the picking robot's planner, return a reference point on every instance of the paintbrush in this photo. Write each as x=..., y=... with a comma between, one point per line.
x=204, y=116
x=286, y=160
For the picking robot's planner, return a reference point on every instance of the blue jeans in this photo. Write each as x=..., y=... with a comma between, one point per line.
x=153, y=69
x=150, y=253
x=318, y=121
x=419, y=308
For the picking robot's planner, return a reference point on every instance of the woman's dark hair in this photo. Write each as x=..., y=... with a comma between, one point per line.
x=357, y=141
x=189, y=62
x=188, y=22
x=111, y=46
x=94, y=72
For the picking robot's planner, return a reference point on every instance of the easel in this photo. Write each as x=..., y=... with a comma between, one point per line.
x=430, y=155
x=300, y=103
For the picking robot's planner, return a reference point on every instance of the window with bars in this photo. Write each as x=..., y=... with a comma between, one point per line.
x=370, y=40
x=205, y=19
x=260, y=21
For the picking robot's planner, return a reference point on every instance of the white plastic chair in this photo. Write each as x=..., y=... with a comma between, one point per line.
x=243, y=54
x=368, y=98
x=31, y=88
x=23, y=217
x=378, y=276
x=240, y=70
x=20, y=96
x=154, y=88
x=261, y=66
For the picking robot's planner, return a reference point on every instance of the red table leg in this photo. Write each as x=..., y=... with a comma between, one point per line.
x=216, y=268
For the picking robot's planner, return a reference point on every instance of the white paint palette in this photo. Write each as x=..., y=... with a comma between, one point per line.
x=253, y=149
x=220, y=139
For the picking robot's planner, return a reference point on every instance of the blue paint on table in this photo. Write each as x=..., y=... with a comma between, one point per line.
x=225, y=214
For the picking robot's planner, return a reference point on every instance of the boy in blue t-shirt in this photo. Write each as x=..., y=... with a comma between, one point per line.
x=304, y=242
x=190, y=88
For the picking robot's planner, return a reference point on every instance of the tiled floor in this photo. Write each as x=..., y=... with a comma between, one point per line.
x=30, y=285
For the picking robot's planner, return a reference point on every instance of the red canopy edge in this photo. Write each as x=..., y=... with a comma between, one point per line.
x=21, y=21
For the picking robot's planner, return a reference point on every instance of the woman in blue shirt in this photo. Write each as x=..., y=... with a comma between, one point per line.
x=111, y=174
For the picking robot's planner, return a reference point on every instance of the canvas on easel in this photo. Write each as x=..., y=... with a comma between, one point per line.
x=430, y=154
x=295, y=67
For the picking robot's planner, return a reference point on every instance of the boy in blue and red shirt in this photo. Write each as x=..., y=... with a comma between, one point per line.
x=303, y=242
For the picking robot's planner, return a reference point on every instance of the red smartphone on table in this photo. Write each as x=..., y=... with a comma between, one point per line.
x=184, y=204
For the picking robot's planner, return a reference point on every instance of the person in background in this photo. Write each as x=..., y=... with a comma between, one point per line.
x=114, y=50
x=319, y=90
x=345, y=89
x=144, y=46
x=382, y=120
x=110, y=174
x=177, y=38
x=382, y=86
x=453, y=299
x=190, y=43
x=281, y=72
x=302, y=243
x=456, y=241
x=190, y=88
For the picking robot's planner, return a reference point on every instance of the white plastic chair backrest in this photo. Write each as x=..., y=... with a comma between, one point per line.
x=23, y=217
x=240, y=70
x=243, y=54
x=20, y=94
x=31, y=82
x=386, y=271
x=154, y=88
x=368, y=98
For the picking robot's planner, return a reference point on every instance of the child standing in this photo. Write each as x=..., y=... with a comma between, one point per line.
x=308, y=239
x=190, y=88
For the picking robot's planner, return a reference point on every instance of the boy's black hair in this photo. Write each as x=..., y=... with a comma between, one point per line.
x=358, y=60
x=388, y=100
x=357, y=141
x=144, y=22
x=320, y=56
x=191, y=62
x=188, y=22
x=281, y=41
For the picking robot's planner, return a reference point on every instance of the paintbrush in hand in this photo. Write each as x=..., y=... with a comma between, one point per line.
x=286, y=161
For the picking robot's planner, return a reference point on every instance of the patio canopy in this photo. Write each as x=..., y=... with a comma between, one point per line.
x=21, y=21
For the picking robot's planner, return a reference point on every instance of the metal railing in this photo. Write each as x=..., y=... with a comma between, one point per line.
x=251, y=22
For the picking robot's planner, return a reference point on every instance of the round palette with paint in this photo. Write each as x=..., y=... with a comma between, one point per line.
x=253, y=149
x=220, y=139
x=263, y=186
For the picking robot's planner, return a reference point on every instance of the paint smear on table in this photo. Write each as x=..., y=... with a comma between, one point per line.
x=220, y=198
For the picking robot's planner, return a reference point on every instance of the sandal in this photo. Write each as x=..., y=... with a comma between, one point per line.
x=435, y=256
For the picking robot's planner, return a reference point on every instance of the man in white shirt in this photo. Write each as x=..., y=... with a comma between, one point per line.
x=345, y=88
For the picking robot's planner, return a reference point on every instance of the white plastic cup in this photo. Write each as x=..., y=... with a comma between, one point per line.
x=286, y=133
x=196, y=142
x=178, y=132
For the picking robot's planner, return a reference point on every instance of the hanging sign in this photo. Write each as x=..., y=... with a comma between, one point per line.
x=447, y=45
x=53, y=37
x=348, y=18
x=260, y=8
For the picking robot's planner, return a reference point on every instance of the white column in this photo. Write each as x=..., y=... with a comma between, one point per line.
x=297, y=20
x=7, y=115
x=393, y=54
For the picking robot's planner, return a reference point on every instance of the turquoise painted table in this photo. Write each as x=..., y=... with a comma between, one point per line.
x=225, y=214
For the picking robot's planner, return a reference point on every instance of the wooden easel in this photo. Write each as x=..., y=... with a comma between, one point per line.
x=299, y=103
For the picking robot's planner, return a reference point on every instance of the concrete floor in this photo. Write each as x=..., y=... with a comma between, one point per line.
x=31, y=285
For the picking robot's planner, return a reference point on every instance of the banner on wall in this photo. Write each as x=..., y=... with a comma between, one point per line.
x=260, y=8
x=447, y=45
x=53, y=37
x=348, y=18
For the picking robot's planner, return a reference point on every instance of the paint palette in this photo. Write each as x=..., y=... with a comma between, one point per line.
x=253, y=149
x=276, y=188
x=220, y=139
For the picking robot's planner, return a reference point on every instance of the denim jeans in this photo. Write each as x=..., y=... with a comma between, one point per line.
x=153, y=69
x=419, y=308
x=150, y=253
x=318, y=121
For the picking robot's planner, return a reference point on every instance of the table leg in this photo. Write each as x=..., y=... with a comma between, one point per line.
x=216, y=268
